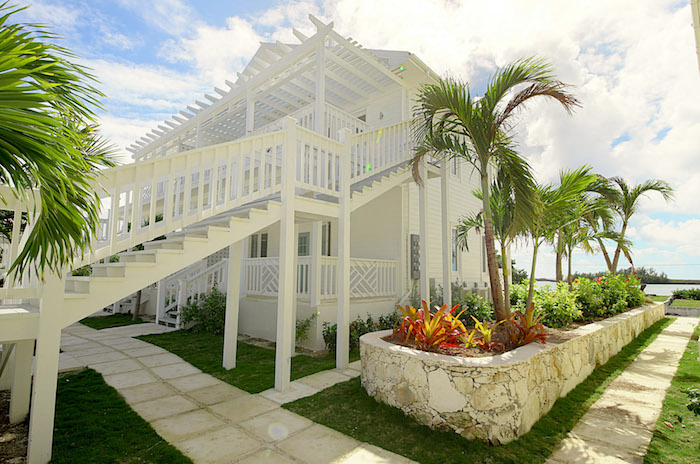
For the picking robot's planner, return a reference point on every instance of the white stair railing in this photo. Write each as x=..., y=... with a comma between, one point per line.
x=378, y=150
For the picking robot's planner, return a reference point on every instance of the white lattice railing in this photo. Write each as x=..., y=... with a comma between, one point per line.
x=334, y=119
x=369, y=278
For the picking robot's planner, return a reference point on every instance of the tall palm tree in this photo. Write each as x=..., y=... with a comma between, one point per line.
x=451, y=123
x=625, y=201
x=48, y=142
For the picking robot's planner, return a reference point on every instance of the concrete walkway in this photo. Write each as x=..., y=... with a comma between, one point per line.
x=209, y=420
x=619, y=426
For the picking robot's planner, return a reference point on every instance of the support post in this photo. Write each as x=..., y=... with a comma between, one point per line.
x=43, y=409
x=446, y=235
x=342, y=349
x=315, y=271
x=233, y=292
x=249, y=113
x=423, y=222
x=297, y=288
x=21, y=381
x=286, y=291
x=320, y=94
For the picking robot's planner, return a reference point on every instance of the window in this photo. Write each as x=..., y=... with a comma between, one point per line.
x=454, y=249
x=303, y=244
x=254, y=246
x=483, y=254
x=326, y=239
x=263, y=245
x=454, y=166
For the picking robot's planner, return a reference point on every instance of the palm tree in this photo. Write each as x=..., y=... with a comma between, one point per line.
x=451, y=123
x=48, y=142
x=625, y=202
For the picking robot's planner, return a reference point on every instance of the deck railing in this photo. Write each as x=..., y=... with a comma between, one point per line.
x=369, y=278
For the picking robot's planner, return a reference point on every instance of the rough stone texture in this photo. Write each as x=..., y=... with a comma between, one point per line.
x=496, y=398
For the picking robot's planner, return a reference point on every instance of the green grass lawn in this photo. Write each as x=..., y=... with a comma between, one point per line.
x=255, y=366
x=679, y=445
x=346, y=407
x=105, y=322
x=658, y=297
x=686, y=303
x=94, y=425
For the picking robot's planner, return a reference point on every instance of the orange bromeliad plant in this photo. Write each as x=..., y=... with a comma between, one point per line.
x=486, y=334
x=529, y=328
x=430, y=330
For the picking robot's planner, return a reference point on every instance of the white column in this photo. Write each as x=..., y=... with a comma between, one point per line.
x=423, y=222
x=250, y=113
x=293, y=338
x=446, y=235
x=342, y=350
x=315, y=271
x=286, y=292
x=233, y=293
x=41, y=417
x=320, y=95
x=21, y=381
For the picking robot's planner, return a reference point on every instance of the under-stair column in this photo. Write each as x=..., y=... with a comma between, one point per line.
x=342, y=349
x=286, y=290
x=21, y=381
x=423, y=224
x=43, y=409
x=297, y=288
x=233, y=293
x=315, y=271
x=320, y=93
x=446, y=236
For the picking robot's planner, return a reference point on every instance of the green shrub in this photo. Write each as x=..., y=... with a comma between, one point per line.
x=472, y=305
x=302, y=329
x=589, y=298
x=358, y=328
x=692, y=294
x=556, y=306
x=208, y=312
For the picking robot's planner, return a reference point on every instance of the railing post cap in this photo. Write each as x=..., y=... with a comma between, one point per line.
x=290, y=121
x=344, y=134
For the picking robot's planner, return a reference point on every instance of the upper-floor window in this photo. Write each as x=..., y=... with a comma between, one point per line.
x=258, y=246
x=454, y=250
x=326, y=239
x=254, y=246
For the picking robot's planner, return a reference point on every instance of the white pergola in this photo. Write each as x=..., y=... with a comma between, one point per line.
x=280, y=80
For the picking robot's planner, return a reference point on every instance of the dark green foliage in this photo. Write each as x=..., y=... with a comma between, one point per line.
x=470, y=302
x=105, y=322
x=208, y=312
x=94, y=425
x=347, y=408
x=255, y=366
x=557, y=306
x=519, y=276
x=302, y=328
x=358, y=328
x=679, y=445
x=646, y=276
x=692, y=294
x=693, y=401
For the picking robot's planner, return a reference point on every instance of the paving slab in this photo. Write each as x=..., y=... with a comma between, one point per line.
x=357, y=365
x=101, y=358
x=370, y=454
x=193, y=382
x=576, y=450
x=163, y=407
x=323, y=380
x=267, y=456
x=173, y=371
x=85, y=345
x=218, y=446
x=98, y=349
x=352, y=373
x=147, y=351
x=117, y=367
x=613, y=433
x=275, y=425
x=129, y=379
x=318, y=445
x=176, y=428
x=162, y=359
x=147, y=392
x=217, y=393
x=243, y=408
x=296, y=390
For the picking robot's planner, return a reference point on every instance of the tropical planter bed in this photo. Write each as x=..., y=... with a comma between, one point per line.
x=494, y=398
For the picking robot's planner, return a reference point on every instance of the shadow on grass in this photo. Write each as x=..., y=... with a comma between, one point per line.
x=106, y=322
x=94, y=425
x=255, y=366
x=346, y=407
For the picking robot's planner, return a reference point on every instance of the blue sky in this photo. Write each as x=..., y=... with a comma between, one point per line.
x=632, y=63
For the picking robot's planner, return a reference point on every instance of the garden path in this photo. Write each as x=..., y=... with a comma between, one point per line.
x=211, y=421
x=619, y=426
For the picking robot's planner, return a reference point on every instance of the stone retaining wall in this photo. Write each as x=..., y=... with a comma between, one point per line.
x=495, y=398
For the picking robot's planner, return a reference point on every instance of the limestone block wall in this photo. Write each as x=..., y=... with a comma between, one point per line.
x=495, y=398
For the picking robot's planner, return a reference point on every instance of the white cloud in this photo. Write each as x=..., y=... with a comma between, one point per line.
x=174, y=17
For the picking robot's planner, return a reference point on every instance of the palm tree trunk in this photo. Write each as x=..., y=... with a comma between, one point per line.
x=568, y=277
x=616, y=259
x=559, y=256
x=531, y=289
x=605, y=254
x=506, y=284
x=494, y=278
